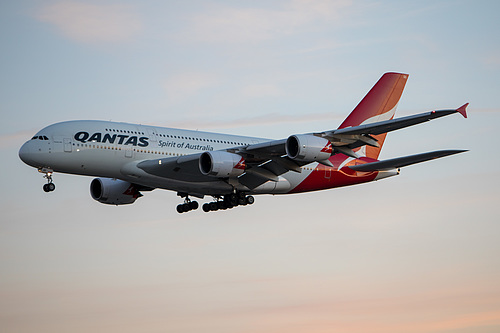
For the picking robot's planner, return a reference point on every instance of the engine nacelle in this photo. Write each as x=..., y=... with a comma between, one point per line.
x=308, y=148
x=221, y=164
x=113, y=191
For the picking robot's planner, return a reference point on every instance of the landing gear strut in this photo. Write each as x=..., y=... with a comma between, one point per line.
x=50, y=186
x=188, y=205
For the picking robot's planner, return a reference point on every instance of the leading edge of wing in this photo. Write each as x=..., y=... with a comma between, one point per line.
x=395, y=124
x=400, y=162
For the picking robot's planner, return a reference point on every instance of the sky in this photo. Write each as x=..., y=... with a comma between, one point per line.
x=414, y=253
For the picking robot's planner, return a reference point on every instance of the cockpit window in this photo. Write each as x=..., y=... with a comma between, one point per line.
x=40, y=137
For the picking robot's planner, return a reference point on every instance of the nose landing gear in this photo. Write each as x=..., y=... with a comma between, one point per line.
x=50, y=186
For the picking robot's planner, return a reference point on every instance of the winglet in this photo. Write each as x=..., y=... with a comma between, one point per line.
x=462, y=110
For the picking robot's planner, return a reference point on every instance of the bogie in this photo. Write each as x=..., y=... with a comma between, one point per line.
x=229, y=201
x=187, y=206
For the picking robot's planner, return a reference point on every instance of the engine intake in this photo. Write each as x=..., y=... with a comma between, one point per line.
x=113, y=191
x=308, y=148
x=221, y=164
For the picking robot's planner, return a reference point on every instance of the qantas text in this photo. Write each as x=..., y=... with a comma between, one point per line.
x=120, y=139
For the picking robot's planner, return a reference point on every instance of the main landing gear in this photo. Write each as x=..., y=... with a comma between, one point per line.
x=188, y=205
x=229, y=201
x=221, y=202
x=50, y=186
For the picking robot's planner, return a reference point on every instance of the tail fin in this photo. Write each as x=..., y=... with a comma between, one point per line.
x=379, y=104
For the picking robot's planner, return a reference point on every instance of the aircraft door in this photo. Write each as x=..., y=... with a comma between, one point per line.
x=128, y=152
x=151, y=133
x=328, y=172
x=67, y=145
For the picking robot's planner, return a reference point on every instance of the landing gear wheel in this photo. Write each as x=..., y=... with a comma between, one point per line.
x=193, y=205
x=180, y=208
x=49, y=187
x=228, y=201
x=186, y=207
x=233, y=199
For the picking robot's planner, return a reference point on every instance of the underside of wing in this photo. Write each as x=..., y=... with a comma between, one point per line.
x=265, y=162
x=179, y=168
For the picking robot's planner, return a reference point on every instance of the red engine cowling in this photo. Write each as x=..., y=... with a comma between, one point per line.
x=221, y=164
x=113, y=191
x=308, y=148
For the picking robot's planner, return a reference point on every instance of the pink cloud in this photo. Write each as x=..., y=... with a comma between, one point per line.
x=251, y=24
x=92, y=23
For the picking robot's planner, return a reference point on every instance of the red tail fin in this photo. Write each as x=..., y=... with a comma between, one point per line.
x=379, y=104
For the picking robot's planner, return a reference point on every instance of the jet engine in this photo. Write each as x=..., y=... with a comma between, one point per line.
x=113, y=191
x=221, y=164
x=308, y=148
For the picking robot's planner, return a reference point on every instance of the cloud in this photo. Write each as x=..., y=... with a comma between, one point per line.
x=268, y=119
x=181, y=86
x=8, y=141
x=492, y=60
x=92, y=23
x=260, y=90
x=230, y=24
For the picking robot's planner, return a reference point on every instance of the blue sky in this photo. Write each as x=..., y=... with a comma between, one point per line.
x=413, y=253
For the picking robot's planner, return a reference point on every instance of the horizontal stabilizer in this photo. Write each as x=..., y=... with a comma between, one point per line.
x=400, y=162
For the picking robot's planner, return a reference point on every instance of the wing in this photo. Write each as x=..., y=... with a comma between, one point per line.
x=179, y=168
x=344, y=140
x=400, y=162
x=264, y=161
x=271, y=160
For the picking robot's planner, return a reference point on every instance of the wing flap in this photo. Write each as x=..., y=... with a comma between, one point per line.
x=400, y=162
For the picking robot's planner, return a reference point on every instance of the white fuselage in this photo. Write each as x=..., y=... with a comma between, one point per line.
x=113, y=150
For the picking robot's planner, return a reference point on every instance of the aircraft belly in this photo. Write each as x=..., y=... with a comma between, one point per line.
x=319, y=180
x=87, y=162
x=272, y=187
x=216, y=187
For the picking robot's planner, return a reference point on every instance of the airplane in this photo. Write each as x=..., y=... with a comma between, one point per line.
x=129, y=159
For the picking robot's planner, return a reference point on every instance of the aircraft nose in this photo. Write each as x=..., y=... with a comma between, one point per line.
x=26, y=154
